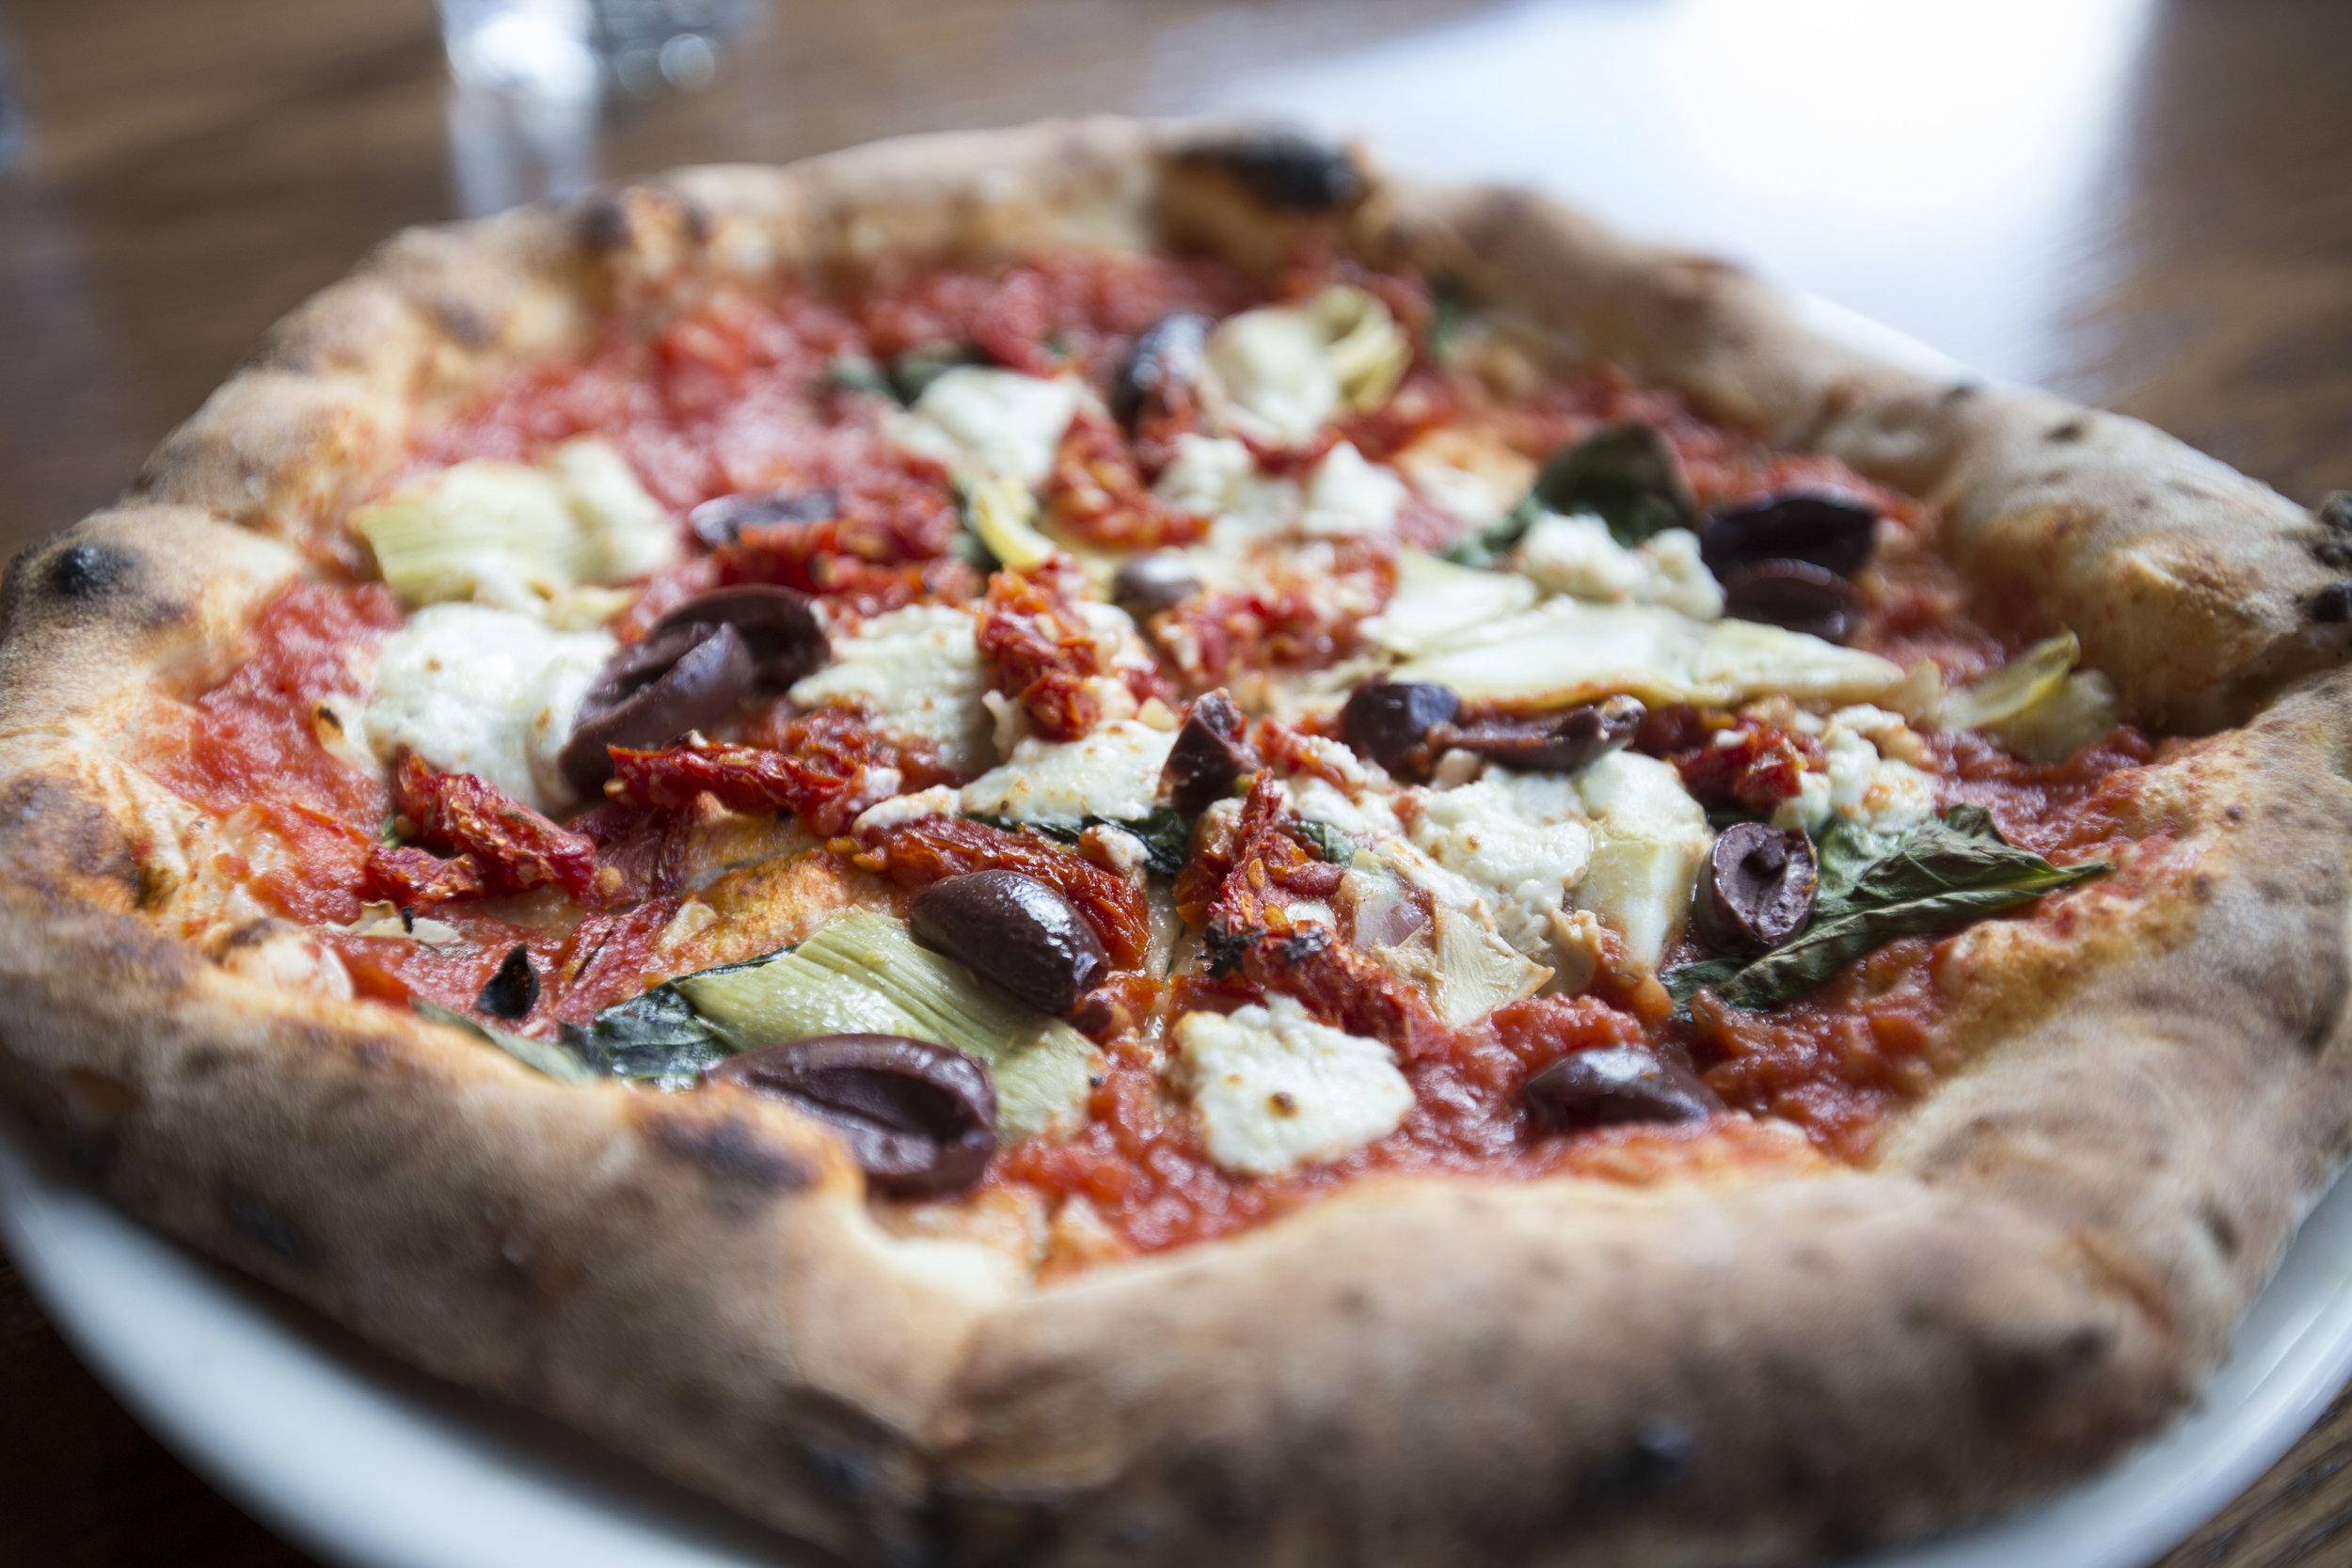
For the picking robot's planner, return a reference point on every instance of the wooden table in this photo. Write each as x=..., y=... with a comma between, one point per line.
x=2140, y=203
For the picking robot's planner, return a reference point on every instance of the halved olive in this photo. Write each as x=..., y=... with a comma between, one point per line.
x=1795, y=595
x=1391, y=721
x=1168, y=360
x=1617, y=1083
x=1757, y=890
x=721, y=521
x=514, y=990
x=919, y=1118
x=1014, y=930
x=777, y=624
x=1824, y=530
x=1211, y=751
x=653, y=691
x=1575, y=740
x=1151, y=584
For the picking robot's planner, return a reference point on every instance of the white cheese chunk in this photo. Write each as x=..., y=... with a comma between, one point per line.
x=1520, y=838
x=1113, y=773
x=1437, y=601
x=1861, y=785
x=1347, y=496
x=490, y=693
x=919, y=670
x=993, y=422
x=1650, y=840
x=1273, y=365
x=1274, y=1090
x=1568, y=651
x=1577, y=556
x=938, y=801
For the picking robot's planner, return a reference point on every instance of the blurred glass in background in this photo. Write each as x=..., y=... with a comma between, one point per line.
x=530, y=78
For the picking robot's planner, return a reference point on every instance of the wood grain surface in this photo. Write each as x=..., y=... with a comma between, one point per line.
x=2141, y=203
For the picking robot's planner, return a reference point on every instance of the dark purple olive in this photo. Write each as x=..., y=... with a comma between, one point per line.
x=1617, y=1083
x=1151, y=584
x=653, y=691
x=721, y=521
x=1168, y=360
x=1757, y=890
x=1795, y=595
x=919, y=1118
x=514, y=990
x=1827, y=531
x=1014, y=930
x=1391, y=721
x=1211, y=751
x=1574, y=740
x=778, y=625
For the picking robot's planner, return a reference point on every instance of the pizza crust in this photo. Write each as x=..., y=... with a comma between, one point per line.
x=2040, y=1267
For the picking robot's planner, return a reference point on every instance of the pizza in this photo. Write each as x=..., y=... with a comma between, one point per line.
x=1124, y=843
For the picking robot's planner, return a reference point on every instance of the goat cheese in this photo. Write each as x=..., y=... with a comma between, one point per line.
x=919, y=670
x=1347, y=495
x=490, y=693
x=1859, y=783
x=1113, y=773
x=1520, y=838
x=1577, y=556
x=1650, y=840
x=1274, y=1090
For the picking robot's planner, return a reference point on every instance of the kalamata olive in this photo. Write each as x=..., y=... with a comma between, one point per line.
x=1167, y=362
x=1830, y=533
x=1575, y=740
x=1757, y=889
x=1283, y=169
x=1795, y=595
x=721, y=521
x=1617, y=1083
x=1014, y=930
x=919, y=1118
x=1211, y=751
x=514, y=990
x=777, y=624
x=652, y=693
x=1391, y=721
x=1151, y=584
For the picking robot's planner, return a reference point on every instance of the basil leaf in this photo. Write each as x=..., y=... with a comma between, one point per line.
x=915, y=368
x=1875, y=887
x=855, y=373
x=1166, y=833
x=656, y=1037
x=1626, y=474
x=1325, y=840
x=545, y=1056
x=1448, y=312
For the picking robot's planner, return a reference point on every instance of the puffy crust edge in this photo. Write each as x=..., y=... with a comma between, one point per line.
x=694, y=1280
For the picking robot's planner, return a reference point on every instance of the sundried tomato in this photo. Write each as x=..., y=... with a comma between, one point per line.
x=514, y=847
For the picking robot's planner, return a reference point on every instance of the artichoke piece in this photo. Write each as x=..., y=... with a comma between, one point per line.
x=865, y=973
x=2037, y=704
x=1000, y=511
x=2033, y=676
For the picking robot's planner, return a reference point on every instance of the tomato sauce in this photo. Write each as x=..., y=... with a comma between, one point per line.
x=743, y=390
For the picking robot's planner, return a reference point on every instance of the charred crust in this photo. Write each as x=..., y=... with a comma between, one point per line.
x=604, y=222
x=2067, y=431
x=270, y=1230
x=90, y=570
x=51, y=836
x=1286, y=171
x=1659, y=1453
x=2332, y=604
x=733, y=1155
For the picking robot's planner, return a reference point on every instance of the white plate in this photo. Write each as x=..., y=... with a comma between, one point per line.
x=364, y=1461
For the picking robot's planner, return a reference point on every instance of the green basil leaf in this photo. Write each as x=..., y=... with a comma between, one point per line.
x=1875, y=887
x=1626, y=474
x=1448, y=312
x=915, y=368
x=1325, y=840
x=855, y=373
x=545, y=1056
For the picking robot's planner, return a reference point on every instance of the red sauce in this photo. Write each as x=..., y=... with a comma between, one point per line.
x=732, y=395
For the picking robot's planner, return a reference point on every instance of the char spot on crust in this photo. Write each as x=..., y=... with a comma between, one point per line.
x=268, y=1229
x=1659, y=1452
x=604, y=222
x=2067, y=430
x=89, y=569
x=1284, y=170
x=51, y=836
x=733, y=1155
x=1959, y=392
x=2020, y=1375
x=466, y=326
x=2221, y=1227
x=2332, y=604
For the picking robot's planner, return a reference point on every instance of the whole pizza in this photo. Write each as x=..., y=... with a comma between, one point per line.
x=1120, y=843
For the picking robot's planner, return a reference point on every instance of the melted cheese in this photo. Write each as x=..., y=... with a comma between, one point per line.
x=1348, y=496
x=992, y=422
x=1859, y=783
x=1579, y=557
x=1274, y=1090
x=1113, y=773
x=490, y=693
x=919, y=670
x=1520, y=838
